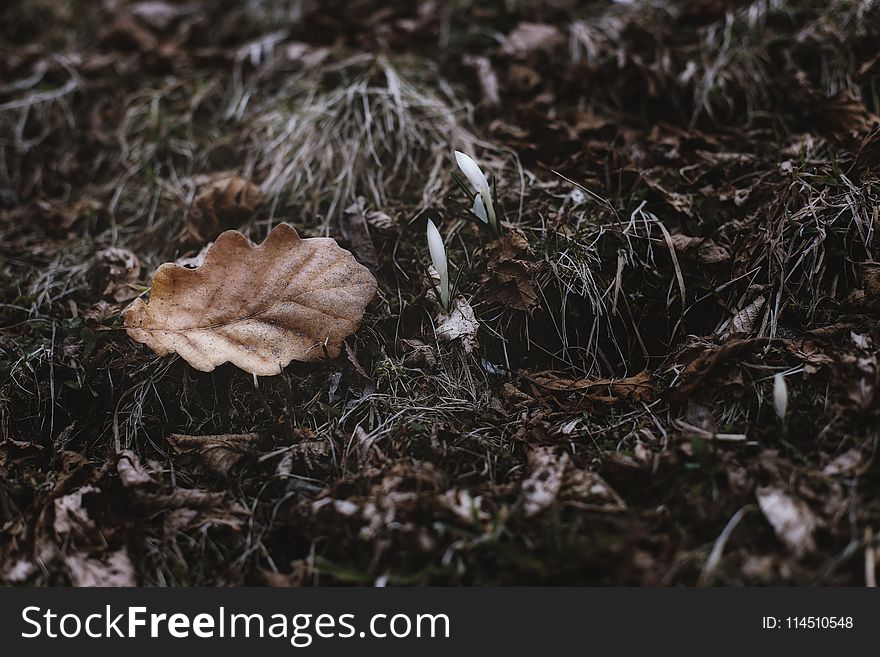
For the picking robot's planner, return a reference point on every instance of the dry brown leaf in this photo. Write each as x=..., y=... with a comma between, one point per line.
x=187, y=508
x=681, y=203
x=114, y=569
x=509, y=262
x=459, y=325
x=541, y=488
x=790, y=517
x=224, y=204
x=703, y=372
x=704, y=250
x=486, y=76
x=639, y=387
x=553, y=479
x=868, y=156
x=219, y=454
x=156, y=14
x=70, y=516
x=529, y=37
x=744, y=321
x=354, y=229
x=190, y=519
x=258, y=307
x=867, y=298
x=844, y=112
x=183, y=498
x=851, y=463
x=116, y=272
x=464, y=506
x=131, y=473
x=417, y=354
x=309, y=451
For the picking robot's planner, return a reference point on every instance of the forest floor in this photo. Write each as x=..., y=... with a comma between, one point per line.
x=690, y=194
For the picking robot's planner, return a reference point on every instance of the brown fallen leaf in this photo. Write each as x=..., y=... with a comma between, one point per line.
x=843, y=112
x=354, y=229
x=746, y=319
x=116, y=272
x=639, y=387
x=681, y=203
x=156, y=14
x=256, y=306
x=527, y=37
x=486, y=76
x=218, y=454
x=459, y=325
x=509, y=263
x=417, y=354
x=522, y=79
x=852, y=462
x=150, y=493
x=70, y=516
x=867, y=298
x=790, y=518
x=868, y=158
x=711, y=364
x=131, y=473
x=553, y=479
x=704, y=250
x=464, y=506
x=541, y=488
x=189, y=519
x=224, y=204
x=309, y=451
x=113, y=569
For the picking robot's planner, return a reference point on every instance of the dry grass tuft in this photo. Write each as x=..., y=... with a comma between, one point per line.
x=372, y=132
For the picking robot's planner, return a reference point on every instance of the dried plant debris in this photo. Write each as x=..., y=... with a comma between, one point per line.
x=553, y=481
x=218, y=454
x=118, y=274
x=258, y=307
x=660, y=367
x=791, y=519
x=510, y=264
x=224, y=204
x=458, y=326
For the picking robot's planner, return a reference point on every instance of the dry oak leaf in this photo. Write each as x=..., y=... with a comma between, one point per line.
x=256, y=306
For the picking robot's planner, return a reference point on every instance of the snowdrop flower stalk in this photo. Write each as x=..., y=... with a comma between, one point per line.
x=483, y=206
x=438, y=259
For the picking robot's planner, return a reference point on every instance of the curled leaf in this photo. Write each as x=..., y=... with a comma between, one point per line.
x=116, y=272
x=596, y=392
x=256, y=306
x=224, y=204
x=510, y=263
x=554, y=480
x=459, y=325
